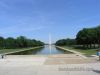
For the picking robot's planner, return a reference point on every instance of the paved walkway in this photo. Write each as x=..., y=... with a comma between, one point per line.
x=64, y=64
x=71, y=69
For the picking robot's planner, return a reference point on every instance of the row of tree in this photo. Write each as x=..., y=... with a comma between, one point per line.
x=89, y=37
x=19, y=42
x=64, y=42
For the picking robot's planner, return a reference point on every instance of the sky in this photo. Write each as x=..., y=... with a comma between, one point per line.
x=36, y=19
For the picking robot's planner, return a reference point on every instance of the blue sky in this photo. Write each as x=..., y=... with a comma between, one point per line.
x=37, y=18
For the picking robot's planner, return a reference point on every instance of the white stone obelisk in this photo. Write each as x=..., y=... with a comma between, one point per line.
x=49, y=39
x=50, y=43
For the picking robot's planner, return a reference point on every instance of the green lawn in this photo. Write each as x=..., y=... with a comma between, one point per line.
x=3, y=51
x=86, y=52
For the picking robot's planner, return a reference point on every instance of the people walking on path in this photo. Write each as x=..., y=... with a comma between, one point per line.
x=98, y=54
x=2, y=56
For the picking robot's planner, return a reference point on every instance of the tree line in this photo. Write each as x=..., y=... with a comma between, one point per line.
x=87, y=38
x=19, y=42
x=64, y=42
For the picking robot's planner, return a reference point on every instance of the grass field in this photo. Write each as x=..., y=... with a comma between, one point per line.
x=5, y=51
x=86, y=52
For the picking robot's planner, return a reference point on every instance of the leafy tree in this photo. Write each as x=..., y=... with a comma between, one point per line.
x=98, y=35
x=19, y=42
x=64, y=42
x=88, y=37
x=22, y=41
x=10, y=42
x=2, y=42
x=61, y=42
